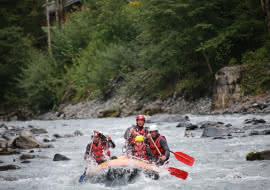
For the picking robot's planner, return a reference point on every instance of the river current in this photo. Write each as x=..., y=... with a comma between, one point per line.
x=219, y=165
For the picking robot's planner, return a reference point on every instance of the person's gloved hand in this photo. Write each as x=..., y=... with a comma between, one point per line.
x=163, y=158
x=133, y=131
x=148, y=136
x=109, y=138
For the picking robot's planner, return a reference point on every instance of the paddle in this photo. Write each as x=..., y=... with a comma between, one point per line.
x=182, y=157
x=173, y=171
x=84, y=173
x=178, y=173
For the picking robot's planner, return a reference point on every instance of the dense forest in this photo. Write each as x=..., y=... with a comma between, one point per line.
x=152, y=48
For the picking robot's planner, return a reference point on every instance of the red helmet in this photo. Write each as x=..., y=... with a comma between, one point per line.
x=140, y=117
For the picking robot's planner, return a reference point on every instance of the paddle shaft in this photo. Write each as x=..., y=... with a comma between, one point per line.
x=156, y=146
x=92, y=145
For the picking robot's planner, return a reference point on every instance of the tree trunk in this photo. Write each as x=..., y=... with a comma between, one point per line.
x=57, y=13
x=61, y=13
x=48, y=26
x=207, y=62
x=266, y=9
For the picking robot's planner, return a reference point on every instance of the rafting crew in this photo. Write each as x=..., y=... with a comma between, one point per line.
x=99, y=148
x=133, y=131
x=158, y=145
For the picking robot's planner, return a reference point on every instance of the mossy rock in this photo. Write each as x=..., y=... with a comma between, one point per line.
x=110, y=113
x=264, y=155
x=152, y=111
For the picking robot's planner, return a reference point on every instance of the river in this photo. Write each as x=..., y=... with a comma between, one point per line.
x=219, y=165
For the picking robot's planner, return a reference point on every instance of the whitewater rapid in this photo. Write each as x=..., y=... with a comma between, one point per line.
x=219, y=165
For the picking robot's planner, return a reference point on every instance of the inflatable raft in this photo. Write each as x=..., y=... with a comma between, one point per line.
x=122, y=169
x=124, y=161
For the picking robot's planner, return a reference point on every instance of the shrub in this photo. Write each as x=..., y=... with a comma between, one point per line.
x=256, y=75
x=39, y=81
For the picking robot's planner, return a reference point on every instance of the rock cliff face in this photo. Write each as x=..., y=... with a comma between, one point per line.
x=227, y=90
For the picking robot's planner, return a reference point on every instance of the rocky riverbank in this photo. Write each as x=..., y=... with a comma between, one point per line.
x=122, y=107
x=119, y=107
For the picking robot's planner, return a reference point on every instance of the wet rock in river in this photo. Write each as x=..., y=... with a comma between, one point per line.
x=264, y=155
x=60, y=157
x=9, y=167
x=46, y=146
x=57, y=136
x=214, y=132
x=48, y=140
x=78, y=133
x=254, y=121
x=206, y=124
x=25, y=162
x=27, y=156
x=38, y=131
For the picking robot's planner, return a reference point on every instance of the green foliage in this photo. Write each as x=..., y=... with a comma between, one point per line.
x=256, y=77
x=26, y=14
x=40, y=81
x=74, y=37
x=154, y=48
x=98, y=67
x=14, y=52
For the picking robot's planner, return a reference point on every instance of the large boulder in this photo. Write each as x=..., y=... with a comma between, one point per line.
x=214, y=132
x=26, y=141
x=227, y=90
x=264, y=155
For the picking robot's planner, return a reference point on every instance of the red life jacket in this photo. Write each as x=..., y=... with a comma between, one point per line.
x=139, y=151
x=97, y=151
x=107, y=150
x=133, y=135
x=153, y=148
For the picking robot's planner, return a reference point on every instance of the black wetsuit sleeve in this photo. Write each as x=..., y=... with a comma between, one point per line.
x=87, y=149
x=127, y=132
x=149, y=153
x=165, y=146
x=111, y=144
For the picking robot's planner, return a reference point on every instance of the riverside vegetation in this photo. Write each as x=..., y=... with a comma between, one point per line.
x=151, y=49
